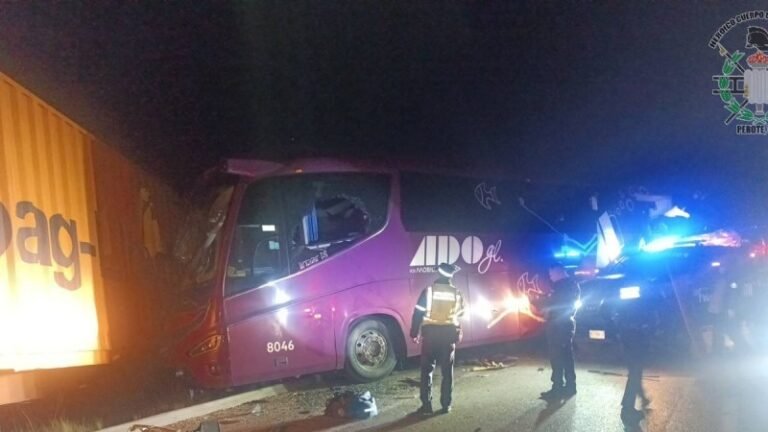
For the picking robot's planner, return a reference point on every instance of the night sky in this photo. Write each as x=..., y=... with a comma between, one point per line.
x=581, y=92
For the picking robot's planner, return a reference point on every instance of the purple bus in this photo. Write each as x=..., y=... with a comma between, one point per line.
x=316, y=265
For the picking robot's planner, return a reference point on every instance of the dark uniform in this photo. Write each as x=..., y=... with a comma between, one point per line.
x=632, y=321
x=437, y=315
x=561, y=326
x=725, y=311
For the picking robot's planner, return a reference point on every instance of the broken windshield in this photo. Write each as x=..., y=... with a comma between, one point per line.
x=198, y=240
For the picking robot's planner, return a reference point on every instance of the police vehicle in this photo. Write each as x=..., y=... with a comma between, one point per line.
x=673, y=282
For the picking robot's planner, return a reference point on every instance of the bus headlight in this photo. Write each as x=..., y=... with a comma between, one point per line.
x=211, y=343
x=483, y=309
x=511, y=304
x=524, y=304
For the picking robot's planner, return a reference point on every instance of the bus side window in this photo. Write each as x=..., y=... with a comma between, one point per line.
x=331, y=212
x=332, y=221
x=326, y=227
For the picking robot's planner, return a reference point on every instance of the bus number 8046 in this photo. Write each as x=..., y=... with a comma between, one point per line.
x=278, y=346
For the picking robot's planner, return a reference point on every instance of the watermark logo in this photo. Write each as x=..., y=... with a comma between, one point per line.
x=743, y=83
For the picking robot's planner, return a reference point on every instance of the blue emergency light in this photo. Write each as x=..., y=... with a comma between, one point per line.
x=568, y=252
x=660, y=244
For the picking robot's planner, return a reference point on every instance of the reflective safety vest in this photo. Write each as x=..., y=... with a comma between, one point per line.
x=443, y=305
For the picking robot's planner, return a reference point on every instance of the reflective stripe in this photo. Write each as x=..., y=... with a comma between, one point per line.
x=442, y=305
x=428, y=309
x=442, y=295
x=421, y=308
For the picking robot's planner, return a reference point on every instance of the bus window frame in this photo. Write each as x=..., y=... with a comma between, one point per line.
x=240, y=191
x=392, y=200
x=373, y=231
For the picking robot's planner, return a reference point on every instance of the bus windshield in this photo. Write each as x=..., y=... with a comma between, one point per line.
x=196, y=247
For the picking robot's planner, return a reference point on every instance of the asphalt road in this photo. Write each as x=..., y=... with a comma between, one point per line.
x=718, y=396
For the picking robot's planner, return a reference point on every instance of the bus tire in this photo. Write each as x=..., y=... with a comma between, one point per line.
x=370, y=352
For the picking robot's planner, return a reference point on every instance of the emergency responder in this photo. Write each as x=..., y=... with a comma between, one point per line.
x=724, y=311
x=436, y=317
x=560, y=308
x=633, y=323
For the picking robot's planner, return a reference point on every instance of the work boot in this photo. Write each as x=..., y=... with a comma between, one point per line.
x=646, y=402
x=631, y=416
x=554, y=393
x=446, y=409
x=568, y=391
x=424, y=410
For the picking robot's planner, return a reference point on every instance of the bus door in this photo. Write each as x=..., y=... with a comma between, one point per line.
x=295, y=339
x=271, y=331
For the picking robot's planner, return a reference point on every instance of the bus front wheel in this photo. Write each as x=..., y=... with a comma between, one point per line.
x=370, y=351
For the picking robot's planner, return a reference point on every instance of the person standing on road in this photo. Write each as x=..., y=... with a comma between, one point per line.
x=436, y=317
x=723, y=311
x=632, y=321
x=560, y=308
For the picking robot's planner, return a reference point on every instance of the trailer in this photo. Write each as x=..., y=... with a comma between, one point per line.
x=84, y=246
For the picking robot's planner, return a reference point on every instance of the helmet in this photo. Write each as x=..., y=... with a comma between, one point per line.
x=448, y=270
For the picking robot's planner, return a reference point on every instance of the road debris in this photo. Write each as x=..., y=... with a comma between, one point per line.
x=487, y=364
x=229, y=421
x=601, y=372
x=257, y=410
x=148, y=428
x=352, y=405
x=618, y=374
x=411, y=382
x=209, y=426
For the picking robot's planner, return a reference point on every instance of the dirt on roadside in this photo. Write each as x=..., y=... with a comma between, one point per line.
x=303, y=408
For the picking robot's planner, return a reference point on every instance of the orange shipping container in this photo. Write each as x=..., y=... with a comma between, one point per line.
x=83, y=240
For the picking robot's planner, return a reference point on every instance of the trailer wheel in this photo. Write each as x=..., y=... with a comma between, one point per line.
x=370, y=351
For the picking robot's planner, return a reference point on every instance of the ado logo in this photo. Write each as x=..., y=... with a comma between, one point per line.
x=434, y=250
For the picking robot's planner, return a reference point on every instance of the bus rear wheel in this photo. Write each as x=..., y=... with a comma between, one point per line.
x=370, y=351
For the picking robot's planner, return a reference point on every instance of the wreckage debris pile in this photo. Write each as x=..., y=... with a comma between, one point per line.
x=487, y=364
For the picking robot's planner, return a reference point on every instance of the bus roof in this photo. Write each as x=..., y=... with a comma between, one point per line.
x=254, y=168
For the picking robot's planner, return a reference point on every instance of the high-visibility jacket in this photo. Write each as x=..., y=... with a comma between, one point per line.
x=440, y=304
